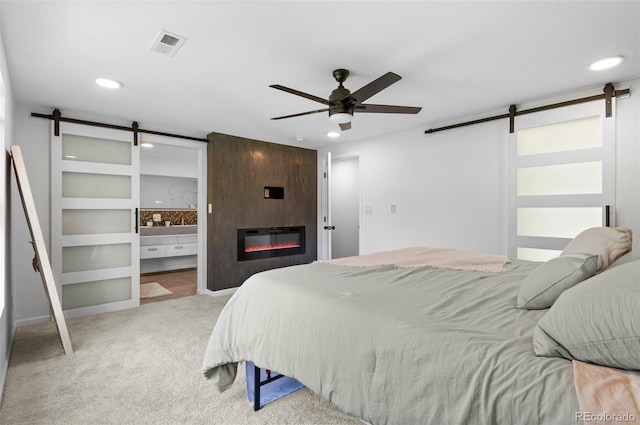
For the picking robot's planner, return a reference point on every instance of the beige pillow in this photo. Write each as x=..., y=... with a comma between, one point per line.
x=607, y=243
x=542, y=287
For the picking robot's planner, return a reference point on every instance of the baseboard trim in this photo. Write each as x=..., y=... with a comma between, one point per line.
x=219, y=293
x=32, y=321
x=3, y=374
x=5, y=365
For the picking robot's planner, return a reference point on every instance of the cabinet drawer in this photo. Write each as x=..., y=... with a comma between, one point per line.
x=153, y=251
x=181, y=249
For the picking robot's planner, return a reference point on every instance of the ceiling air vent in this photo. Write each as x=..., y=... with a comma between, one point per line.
x=167, y=43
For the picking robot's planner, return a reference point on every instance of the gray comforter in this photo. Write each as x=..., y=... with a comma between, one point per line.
x=398, y=346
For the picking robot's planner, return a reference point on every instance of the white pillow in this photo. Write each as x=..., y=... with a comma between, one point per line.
x=606, y=242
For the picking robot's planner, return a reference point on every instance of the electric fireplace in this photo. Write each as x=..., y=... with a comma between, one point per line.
x=268, y=242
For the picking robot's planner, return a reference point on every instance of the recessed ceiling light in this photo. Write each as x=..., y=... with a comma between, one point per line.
x=108, y=83
x=606, y=63
x=299, y=139
x=146, y=144
x=333, y=134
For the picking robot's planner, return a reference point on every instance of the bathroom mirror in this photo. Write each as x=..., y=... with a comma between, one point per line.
x=162, y=192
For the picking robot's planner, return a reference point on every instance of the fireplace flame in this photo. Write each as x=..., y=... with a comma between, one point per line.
x=270, y=247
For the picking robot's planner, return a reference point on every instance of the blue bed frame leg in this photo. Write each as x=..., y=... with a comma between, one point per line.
x=263, y=377
x=256, y=388
x=257, y=384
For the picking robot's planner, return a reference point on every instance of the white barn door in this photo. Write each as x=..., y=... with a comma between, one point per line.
x=95, y=247
x=562, y=178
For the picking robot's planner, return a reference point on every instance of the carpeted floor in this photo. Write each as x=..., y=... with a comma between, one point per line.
x=138, y=366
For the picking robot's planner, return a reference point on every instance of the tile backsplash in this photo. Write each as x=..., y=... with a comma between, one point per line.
x=177, y=217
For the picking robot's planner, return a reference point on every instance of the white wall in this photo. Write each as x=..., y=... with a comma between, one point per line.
x=447, y=188
x=450, y=186
x=32, y=135
x=6, y=136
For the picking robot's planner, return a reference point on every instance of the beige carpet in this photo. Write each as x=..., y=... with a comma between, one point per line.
x=138, y=366
x=152, y=290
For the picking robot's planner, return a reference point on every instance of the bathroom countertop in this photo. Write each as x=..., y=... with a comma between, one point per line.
x=188, y=238
x=168, y=230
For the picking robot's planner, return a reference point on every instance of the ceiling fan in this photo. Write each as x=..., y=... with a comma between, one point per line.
x=342, y=104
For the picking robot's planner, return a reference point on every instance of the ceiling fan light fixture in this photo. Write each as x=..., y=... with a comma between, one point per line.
x=340, y=118
x=342, y=104
x=606, y=63
x=108, y=83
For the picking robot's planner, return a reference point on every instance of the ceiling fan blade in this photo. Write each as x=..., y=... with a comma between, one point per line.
x=301, y=114
x=299, y=93
x=387, y=109
x=374, y=87
x=345, y=126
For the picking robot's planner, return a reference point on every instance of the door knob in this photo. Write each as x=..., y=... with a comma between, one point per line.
x=329, y=227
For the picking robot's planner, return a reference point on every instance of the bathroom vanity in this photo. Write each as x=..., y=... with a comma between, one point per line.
x=164, y=248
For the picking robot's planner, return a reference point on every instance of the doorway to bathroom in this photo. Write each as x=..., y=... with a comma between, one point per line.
x=171, y=218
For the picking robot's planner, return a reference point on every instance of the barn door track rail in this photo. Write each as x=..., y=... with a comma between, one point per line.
x=57, y=118
x=609, y=92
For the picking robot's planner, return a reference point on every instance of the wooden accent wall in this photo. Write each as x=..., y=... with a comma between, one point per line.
x=238, y=171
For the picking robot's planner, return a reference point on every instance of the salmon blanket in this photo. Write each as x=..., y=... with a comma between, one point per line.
x=606, y=395
x=447, y=258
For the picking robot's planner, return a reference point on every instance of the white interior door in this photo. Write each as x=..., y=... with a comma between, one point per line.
x=344, y=190
x=326, y=220
x=94, y=213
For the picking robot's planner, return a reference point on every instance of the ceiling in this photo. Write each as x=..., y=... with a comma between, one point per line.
x=457, y=59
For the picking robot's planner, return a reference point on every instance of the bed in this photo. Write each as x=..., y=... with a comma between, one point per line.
x=403, y=342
